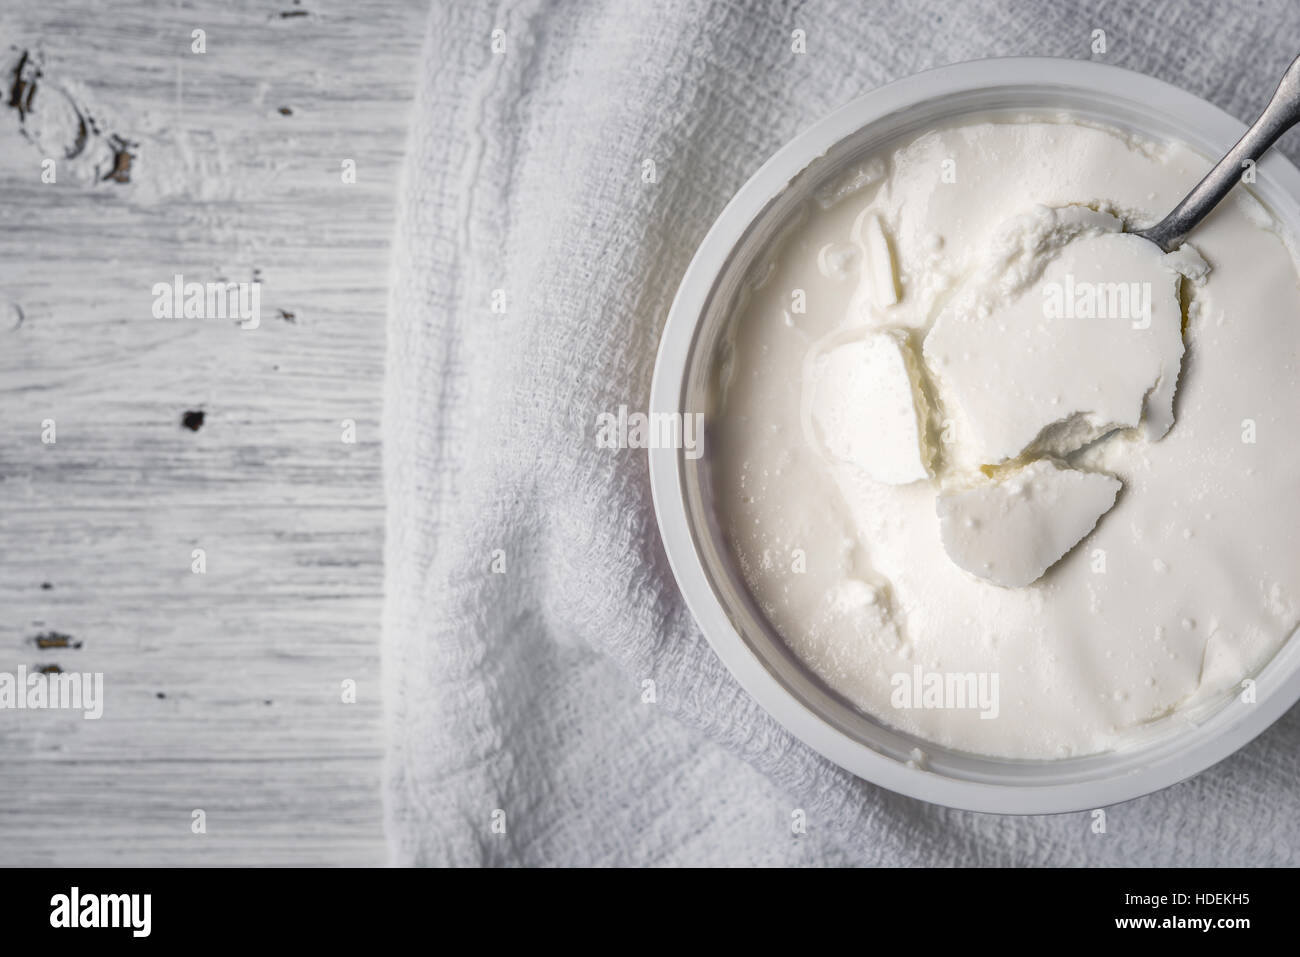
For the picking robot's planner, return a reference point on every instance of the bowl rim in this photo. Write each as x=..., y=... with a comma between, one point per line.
x=1221, y=735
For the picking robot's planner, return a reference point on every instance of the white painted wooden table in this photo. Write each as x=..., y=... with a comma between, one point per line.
x=223, y=690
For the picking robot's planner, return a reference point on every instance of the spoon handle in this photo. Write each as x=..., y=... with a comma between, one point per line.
x=1282, y=113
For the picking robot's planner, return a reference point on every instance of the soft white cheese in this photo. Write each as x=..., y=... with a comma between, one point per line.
x=1070, y=329
x=1009, y=531
x=865, y=410
x=879, y=284
x=1189, y=583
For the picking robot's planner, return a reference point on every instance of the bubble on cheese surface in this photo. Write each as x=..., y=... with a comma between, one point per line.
x=1011, y=530
x=1069, y=330
x=865, y=409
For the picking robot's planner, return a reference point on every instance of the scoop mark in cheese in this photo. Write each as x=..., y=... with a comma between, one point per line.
x=879, y=284
x=1019, y=367
x=855, y=181
x=1009, y=532
x=863, y=407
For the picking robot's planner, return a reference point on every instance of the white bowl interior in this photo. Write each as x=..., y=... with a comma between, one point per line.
x=701, y=559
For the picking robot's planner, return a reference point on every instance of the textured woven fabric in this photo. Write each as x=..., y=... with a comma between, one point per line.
x=528, y=596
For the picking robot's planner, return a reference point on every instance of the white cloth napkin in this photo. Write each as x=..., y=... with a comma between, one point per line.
x=528, y=597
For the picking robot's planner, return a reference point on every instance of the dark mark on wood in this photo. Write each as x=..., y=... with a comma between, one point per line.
x=46, y=586
x=160, y=695
x=286, y=111
x=23, y=86
x=122, y=157
x=83, y=136
x=286, y=316
x=288, y=14
x=109, y=161
x=55, y=639
x=50, y=670
x=193, y=419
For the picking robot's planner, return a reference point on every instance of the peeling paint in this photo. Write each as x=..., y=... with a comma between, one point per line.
x=55, y=639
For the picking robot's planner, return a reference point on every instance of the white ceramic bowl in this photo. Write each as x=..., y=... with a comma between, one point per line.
x=700, y=559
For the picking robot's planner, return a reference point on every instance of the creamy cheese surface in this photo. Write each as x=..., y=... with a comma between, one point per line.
x=969, y=430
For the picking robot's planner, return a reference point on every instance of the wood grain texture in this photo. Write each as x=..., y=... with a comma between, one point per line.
x=223, y=690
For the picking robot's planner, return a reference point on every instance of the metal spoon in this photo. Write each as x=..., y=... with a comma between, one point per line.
x=1282, y=113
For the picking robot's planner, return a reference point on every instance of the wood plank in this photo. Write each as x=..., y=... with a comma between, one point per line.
x=222, y=690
